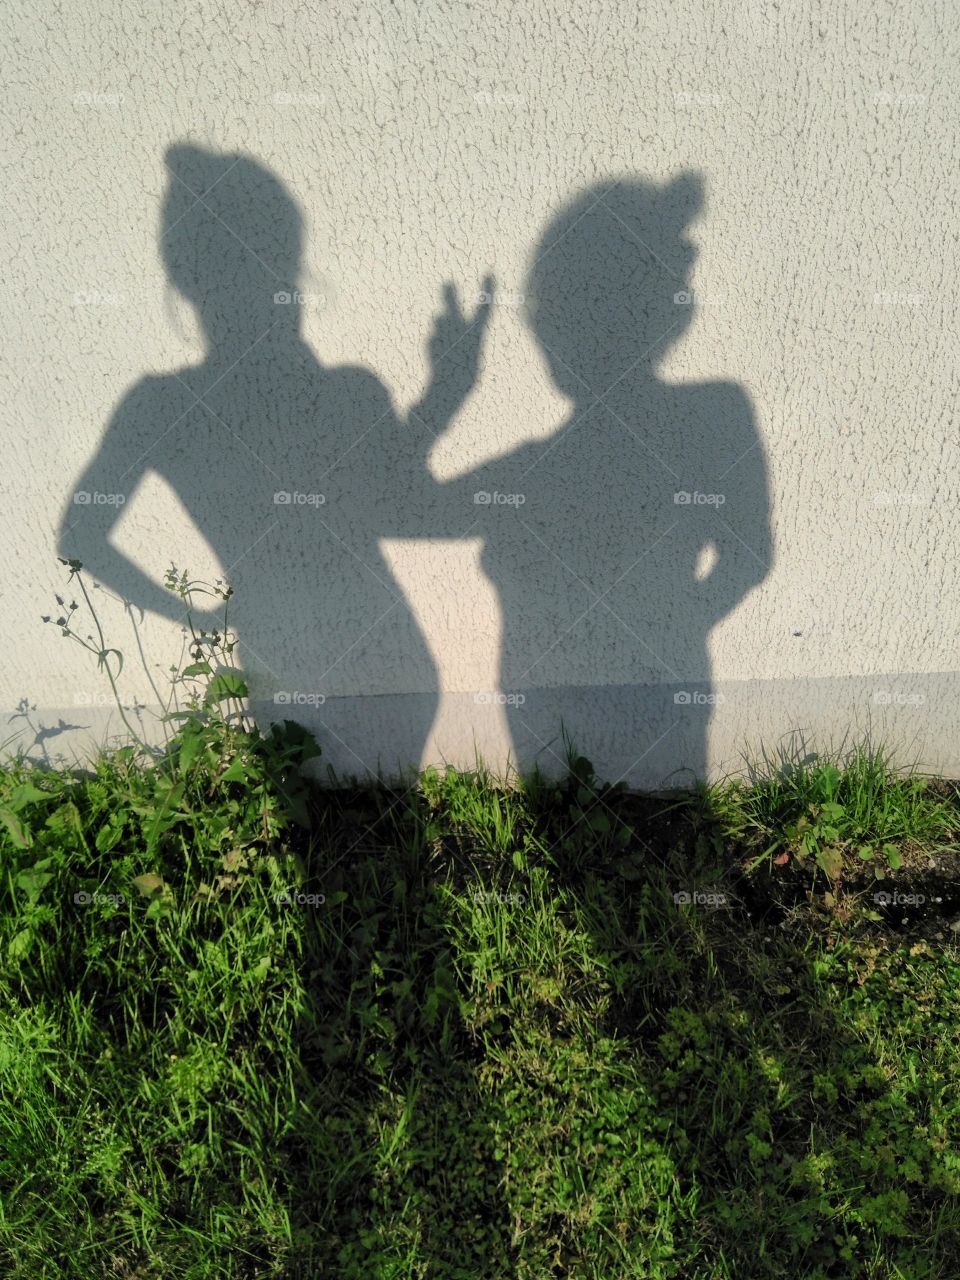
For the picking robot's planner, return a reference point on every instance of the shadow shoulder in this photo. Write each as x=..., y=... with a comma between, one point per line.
x=727, y=440
x=154, y=393
x=721, y=395
x=359, y=381
x=524, y=456
x=723, y=411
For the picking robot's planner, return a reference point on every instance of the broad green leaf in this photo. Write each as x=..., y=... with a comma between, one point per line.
x=67, y=815
x=237, y=772
x=19, y=834
x=165, y=817
x=20, y=944
x=830, y=862
x=198, y=669
x=26, y=793
x=227, y=684
x=32, y=882
x=190, y=747
x=109, y=835
x=830, y=777
x=149, y=883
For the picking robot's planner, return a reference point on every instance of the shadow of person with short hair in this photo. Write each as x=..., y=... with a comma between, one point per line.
x=618, y=543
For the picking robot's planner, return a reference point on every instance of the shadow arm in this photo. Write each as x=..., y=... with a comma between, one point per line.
x=744, y=541
x=454, y=350
x=96, y=502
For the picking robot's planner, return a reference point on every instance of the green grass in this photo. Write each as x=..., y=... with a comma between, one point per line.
x=498, y=1047
x=859, y=804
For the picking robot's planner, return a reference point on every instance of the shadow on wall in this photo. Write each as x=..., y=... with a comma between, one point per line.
x=614, y=547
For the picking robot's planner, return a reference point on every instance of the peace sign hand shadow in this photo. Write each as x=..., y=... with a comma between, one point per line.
x=453, y=331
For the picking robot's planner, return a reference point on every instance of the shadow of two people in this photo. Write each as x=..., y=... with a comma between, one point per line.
x=613, y=547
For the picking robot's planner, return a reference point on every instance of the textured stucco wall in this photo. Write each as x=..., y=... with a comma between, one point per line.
x=791, y=167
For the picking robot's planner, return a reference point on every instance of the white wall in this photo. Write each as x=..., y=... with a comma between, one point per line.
x=808, y=154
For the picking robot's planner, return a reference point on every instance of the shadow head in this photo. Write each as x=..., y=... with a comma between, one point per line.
x=609, y=286
x=231, y=239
